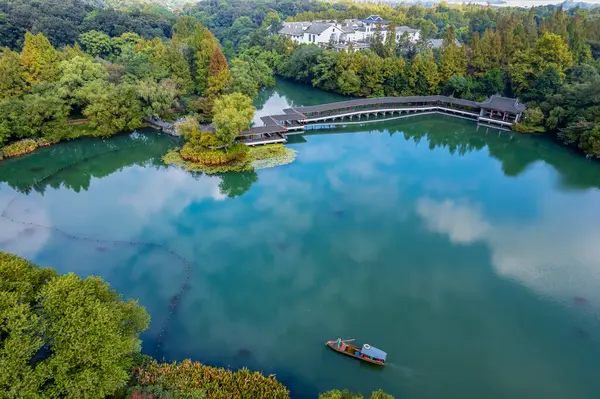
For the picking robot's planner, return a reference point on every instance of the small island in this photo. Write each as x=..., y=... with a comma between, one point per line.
x=217, y=151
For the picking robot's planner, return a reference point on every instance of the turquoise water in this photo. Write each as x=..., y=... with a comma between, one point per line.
x=470, y=255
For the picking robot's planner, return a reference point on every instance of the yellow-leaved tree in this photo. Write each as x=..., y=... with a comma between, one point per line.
x=39, y=58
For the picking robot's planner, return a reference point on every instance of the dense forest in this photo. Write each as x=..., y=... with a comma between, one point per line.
x=545, y=56
x=79, y=70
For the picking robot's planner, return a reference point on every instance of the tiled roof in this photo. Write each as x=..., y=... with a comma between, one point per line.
x=437, y=43
x=504, y=104
x=383, y=100
x=294, y=28
x=316, y=28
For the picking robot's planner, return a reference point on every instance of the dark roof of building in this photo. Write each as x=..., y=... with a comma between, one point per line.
x=437, y=43
x=316, y=28
x=504, y=104
x=383, y=100
x=294, y=28
x=262, y=130
x=288, y=116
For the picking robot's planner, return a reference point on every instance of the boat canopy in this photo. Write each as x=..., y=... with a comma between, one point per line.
x=371, y=351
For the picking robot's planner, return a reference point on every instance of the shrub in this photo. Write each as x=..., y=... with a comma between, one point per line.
x=192, y=380
x=19, y=148
x=532, y=122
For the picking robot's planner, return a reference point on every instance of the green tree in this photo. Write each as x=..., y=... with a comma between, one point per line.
x=579, y=48
x=157, y=97
x=69, y=52
x=46, y=116
x=477, y=58
x=39, y=59
x=558, y=23
x=76, y=73
x=348, y=83
x=96, y=43
x=390, y=41
x=13, y=120
x=490, y=49
x=125, y=43
x=590, y=141
x=377, y=42
x=12, y=75
x=179, y=69
x=272, y=22
x=188, y=127
x=531, y=29
x=185, y=29
x=423, y=75
x=232, y=114
x=453, y=60
x=492, y=82
x=532, y=122
x=549, y=51
x=63, y=336
x=203, y=43
x=325, y=71
x=241, y=79
x=300, y=65
x=113, y=108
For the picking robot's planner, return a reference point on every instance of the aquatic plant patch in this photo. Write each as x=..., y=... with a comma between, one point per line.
x=192, y=379
x=269, y=156
x=236, y=160
x=19, y=148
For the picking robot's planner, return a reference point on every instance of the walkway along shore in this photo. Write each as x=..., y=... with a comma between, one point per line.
x=498, y=111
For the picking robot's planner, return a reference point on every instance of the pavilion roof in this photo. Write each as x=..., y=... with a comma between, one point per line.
x=504, y=104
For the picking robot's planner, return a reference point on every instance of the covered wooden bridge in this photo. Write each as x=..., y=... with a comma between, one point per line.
x=498, y=111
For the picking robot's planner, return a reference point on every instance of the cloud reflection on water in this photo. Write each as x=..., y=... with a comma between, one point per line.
x=553, y=255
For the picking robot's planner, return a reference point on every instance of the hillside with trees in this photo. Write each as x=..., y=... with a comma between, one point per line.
x=545, y=56
x=100, y=83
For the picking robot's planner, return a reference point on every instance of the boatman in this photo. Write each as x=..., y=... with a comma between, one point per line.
x=339, y=342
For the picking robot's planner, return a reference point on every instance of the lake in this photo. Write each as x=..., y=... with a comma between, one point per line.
x=470, y=255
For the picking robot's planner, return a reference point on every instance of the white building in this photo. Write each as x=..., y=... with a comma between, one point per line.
x=317, y=32
x=356, y=31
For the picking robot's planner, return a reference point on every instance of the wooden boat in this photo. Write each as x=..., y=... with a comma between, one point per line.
x=365, y=353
